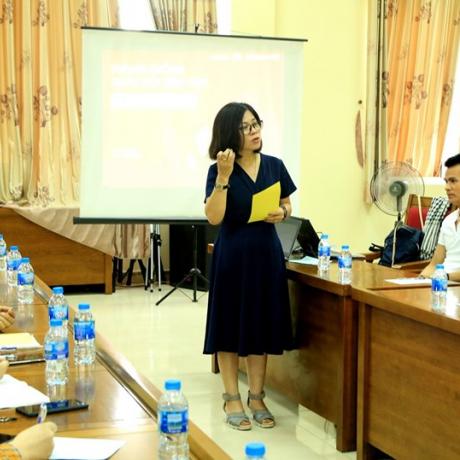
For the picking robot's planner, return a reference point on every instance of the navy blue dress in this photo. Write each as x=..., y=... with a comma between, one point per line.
x=248, y=306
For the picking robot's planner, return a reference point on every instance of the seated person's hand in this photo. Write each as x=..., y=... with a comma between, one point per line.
x=6, y=317
x=36, y=442
x=3, y=367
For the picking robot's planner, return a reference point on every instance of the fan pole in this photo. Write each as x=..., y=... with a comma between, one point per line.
x=397, y=225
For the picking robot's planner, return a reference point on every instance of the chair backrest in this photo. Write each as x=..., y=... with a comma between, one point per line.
x=412, y=217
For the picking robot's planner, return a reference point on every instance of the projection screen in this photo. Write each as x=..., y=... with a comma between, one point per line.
x=148, y=102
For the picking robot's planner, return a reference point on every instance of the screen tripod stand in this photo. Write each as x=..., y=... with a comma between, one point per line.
x=194, y=273
x=154, y=262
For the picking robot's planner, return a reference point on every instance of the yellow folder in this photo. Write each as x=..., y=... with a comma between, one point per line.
x=264, y=202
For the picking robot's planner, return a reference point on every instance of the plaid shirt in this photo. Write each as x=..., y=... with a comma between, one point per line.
x=434, y=218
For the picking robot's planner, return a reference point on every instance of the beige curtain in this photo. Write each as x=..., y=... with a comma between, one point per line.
x=423, y=38
x=40, y=115
x=185, y=15
x=40, y=97
x=375, y=151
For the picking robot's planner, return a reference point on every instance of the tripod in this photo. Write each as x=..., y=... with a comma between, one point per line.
x=194, y=272
x=154, y=262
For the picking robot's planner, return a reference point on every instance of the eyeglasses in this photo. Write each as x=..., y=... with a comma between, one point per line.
x=254, y=126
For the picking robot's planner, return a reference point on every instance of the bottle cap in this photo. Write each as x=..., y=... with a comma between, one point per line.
x=1, y=236
x=13, y=248
x=255, y=449
x=55, y=322
x=324, y=236
x=439, y=266
x=172, y=384
x=25, y=260
x=83, y=306
x=58, y=290
x=345, y=247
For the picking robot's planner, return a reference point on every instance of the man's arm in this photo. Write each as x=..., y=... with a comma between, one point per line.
x=438, y=258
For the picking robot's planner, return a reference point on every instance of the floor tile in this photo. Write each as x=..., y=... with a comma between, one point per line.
x=166, y=341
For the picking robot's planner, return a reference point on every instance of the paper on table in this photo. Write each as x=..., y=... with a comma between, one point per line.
x=264, y=202
x=18, y=340
x=15, y=393
x=307, y=260
x=426, y=281
x=87, y=448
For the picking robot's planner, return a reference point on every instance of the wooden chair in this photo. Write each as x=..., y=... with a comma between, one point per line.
x=415, y=216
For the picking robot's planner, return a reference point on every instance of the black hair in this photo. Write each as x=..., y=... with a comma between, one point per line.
x=452, y=161
x=226, y=133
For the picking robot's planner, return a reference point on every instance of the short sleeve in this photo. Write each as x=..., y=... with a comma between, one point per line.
x=287, y=184
x=442, y=234
x=211, y=180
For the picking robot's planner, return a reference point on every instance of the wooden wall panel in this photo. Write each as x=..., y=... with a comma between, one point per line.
x=56, y=260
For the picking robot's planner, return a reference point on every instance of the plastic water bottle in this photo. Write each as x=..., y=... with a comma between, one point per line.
x=173, y=423
x=58, y=307
x=345, y=261
x=439, y=288
x=26, y=278
x=84, y=334
x=324, y=254
x=255, y=451
x=2, y=254
x=13, y=259
x=56, y=354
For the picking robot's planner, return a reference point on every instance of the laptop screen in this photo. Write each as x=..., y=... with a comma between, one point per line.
x=287, y=232
x=308, y=239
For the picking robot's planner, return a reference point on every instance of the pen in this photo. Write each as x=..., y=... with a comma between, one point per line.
x=8, y=349
x=7, y=419
x=42, y=413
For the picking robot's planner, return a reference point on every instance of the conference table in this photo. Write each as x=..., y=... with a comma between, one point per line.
x=408, y=375
x=321, y=373
x=122, y=403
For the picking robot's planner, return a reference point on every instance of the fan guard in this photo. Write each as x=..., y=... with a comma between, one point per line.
x=392, y=184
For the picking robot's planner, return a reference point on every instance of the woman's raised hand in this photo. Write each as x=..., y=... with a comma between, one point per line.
x=225, y=162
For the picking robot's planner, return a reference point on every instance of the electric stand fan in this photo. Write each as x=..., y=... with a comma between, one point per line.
x=390, y=188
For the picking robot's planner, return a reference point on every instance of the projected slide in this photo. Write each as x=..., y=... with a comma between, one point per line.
x=149, y=102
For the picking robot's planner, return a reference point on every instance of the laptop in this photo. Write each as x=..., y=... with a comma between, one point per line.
x=288, y=230
x=308, y=239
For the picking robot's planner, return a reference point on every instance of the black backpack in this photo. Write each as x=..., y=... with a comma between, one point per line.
x=408, y=243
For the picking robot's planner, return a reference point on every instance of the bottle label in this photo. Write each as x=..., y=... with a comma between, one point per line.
x=174, y=422
x=324, y=251
x=344, y=262
x=84, y=330
x=439, y=284
x=13, y=264
x=56, y=350
x=59, y=312
x=2, y=250
x=25, y=279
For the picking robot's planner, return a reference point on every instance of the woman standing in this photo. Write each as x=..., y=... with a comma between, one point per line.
x=248, y=309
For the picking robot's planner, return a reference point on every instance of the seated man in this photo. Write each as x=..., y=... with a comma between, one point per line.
x=6, y=317
x=447, y=251
x=32, y=443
